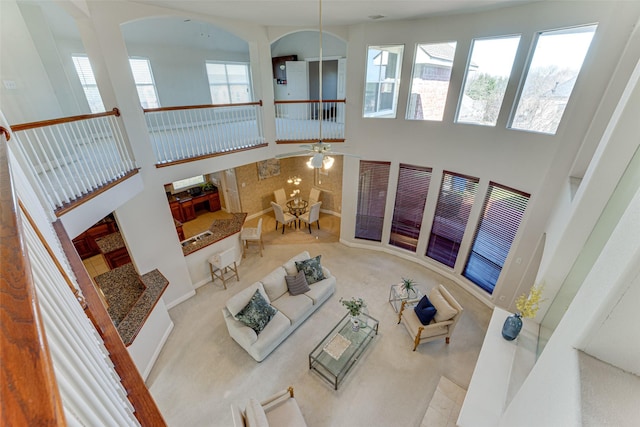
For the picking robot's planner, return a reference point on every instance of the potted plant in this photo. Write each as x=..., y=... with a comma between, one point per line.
x=409, y=287
x=354, y=306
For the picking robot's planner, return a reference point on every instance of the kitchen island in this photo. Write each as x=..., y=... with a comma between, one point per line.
x=130, y=297
x=221, y=235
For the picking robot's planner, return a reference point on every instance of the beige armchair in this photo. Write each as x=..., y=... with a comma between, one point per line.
x=448, y=312
x=279, y=410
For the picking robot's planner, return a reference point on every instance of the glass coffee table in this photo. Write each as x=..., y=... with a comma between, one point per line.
x=341, y=348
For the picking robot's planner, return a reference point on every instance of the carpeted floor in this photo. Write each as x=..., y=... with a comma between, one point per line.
x=201, y=370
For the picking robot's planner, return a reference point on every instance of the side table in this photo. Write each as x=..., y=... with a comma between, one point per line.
x=397, y=294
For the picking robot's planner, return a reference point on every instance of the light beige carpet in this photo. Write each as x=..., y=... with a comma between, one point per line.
x=201, y=370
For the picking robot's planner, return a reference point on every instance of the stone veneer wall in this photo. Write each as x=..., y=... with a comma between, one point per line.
x=257, y=194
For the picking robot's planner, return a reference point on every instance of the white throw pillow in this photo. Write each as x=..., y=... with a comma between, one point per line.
x=444, y=310
x=255, y=415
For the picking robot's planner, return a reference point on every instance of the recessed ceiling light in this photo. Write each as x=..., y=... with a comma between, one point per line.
x=374, y=17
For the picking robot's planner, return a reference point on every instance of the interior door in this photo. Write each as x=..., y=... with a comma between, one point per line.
x=231, y=194
x=297, y=89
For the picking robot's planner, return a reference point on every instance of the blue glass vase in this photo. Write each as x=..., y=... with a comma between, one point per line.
x=512, y=326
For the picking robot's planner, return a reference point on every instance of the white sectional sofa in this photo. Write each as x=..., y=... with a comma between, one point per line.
x=292, y=310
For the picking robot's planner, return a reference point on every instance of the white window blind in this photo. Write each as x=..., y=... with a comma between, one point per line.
x=411, y=196
x=457, y=194
x=88, y=82
x=502, y=213
x=143, y=77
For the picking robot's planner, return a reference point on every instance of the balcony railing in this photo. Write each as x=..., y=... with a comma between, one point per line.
x=180, y=134
x=299, y=121
x=73, y=157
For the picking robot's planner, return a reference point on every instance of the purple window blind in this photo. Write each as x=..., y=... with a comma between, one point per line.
x=372, y=197
x=502, y=213
x=455, y=200
x=411, y=196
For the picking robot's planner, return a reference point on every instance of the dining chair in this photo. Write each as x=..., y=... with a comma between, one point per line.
x=282, y=217
x=314, y=196
x=311, y=216
x=281, y=197
x=252, y=235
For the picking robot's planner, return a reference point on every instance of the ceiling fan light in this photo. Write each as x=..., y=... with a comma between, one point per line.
x=310, y=163
x=328, y=162
x=316, y=160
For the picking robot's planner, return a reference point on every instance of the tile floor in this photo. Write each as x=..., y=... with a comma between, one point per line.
x=445, y=405
x=95, y=265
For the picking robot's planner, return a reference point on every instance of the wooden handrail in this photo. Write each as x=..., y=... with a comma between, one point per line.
x=195, y=107
x=28, y=385
x=311, y=101
x=146, y=410
x=44, y=123
x=4, y=131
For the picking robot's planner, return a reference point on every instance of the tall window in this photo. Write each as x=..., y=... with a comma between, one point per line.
x=456, y=198
x=552, y=74
x=411, y=196
x=430, y=83
x=372, y=198
x=486, y=81
x=382, y=81
x=141, y=69
x=88, y=81
x=503, y=210
x=229, y=83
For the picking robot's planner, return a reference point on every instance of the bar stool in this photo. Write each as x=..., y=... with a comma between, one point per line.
x=222, y=262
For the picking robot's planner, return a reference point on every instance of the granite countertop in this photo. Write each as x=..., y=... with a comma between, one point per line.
x=220, y=229
x=111, y=242
x=131, y=297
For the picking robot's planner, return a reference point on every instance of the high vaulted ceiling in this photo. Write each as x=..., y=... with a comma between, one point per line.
x=334, y=12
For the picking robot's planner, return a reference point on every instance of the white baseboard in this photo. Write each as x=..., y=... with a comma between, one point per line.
x=156, y=353
x=183, y=298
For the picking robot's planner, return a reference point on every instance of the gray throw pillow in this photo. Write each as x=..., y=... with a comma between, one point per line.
x=297, y=284
x=257, y=313
x=312, y=269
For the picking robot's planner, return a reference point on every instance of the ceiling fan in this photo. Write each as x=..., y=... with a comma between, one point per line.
x=319, y=151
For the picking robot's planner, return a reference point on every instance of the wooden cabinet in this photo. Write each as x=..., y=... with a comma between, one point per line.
x=117, y=258
x=180, y=232
x=280, y=68
x=176, y=211
x=214, y=202
x=85, y=243
x=188, y=210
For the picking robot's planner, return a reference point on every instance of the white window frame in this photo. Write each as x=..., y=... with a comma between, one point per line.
x=84, y=75
x=228, y=84
x=145, y=101
x=380, y=81
x=560, y=103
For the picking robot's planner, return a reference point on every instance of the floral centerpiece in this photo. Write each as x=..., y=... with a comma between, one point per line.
x=528, y=306
x=354, y=305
